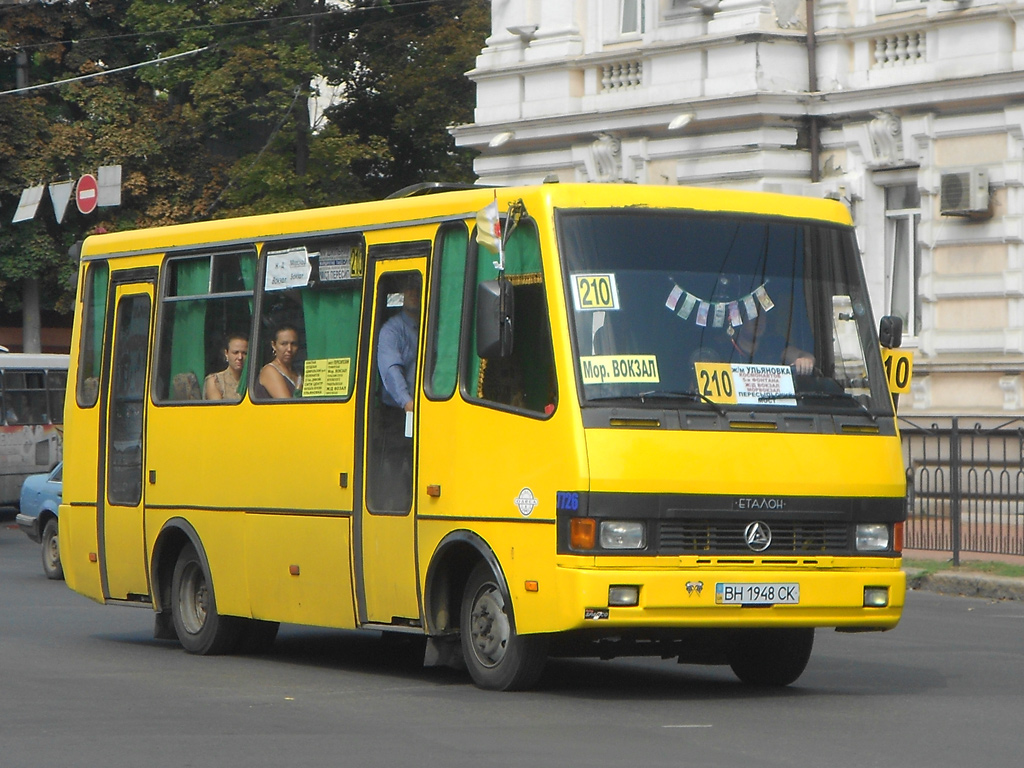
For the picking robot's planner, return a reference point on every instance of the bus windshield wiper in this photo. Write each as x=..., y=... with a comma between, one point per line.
x=688, y=394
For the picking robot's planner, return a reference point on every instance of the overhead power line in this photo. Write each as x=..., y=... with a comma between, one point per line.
x=91, y=75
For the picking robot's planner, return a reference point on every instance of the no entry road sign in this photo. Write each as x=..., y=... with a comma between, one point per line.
x=86, y=193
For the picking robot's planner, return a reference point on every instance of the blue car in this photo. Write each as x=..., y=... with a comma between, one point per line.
x=40, y=500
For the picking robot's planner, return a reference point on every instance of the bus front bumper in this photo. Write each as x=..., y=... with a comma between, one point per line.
x=850, y=598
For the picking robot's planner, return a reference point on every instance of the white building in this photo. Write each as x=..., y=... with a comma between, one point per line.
x=912, y=111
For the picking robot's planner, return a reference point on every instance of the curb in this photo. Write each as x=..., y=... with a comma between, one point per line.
x=966, y=584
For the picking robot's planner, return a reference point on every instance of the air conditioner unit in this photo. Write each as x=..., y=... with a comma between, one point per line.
x=965, y=193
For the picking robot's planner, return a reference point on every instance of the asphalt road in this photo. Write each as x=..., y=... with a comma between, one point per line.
x=86, y=685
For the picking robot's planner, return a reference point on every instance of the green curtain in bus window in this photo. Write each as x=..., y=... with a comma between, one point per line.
x=522, y=257
x=449, y=312
x=332, y=323
x=91, y=348
x=188, y=348
x=247, y=265
x=98, y=310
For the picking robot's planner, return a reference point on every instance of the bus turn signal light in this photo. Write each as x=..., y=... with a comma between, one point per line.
x=582, y=533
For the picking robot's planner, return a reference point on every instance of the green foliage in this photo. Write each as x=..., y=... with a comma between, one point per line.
x=224, y=131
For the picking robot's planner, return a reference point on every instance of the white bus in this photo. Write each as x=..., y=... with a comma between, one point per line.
x=31, y=417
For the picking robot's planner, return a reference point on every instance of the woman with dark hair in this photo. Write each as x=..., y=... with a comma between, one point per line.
x=277, y=379
x=224, y=385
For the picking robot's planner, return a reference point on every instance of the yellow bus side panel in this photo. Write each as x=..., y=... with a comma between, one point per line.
x=220, y=534
x=279, y=456
x=319, y=550
x=77, y=542
x=525, y=552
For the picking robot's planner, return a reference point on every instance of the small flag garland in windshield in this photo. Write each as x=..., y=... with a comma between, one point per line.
x=682, y=303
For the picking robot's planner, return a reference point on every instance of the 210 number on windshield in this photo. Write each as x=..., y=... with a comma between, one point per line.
x=594, y=292
x=715, y=382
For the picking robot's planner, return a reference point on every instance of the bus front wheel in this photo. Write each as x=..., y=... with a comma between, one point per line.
x=200, y=629
x=496, y=656
x=770, y=657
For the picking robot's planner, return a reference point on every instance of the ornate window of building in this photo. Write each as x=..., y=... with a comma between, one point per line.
x=903, y=254
x=632, y=18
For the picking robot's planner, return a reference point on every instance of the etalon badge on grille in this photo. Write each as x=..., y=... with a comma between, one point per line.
x=758, y=536
x=694, y=587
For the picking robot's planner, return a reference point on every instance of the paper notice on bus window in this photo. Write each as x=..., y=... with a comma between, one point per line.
x=329, y=377
x=736, y=384
x=620, y=369
x=764, y=384
x=287, y=269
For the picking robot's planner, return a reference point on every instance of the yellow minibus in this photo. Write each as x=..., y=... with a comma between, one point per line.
x=590, y=420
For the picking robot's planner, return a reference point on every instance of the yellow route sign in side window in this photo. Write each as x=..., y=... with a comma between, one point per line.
x=620, y=369
x=327, y=378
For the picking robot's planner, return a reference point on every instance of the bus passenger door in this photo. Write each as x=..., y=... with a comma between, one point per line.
x=121, y=484
x=386, y=573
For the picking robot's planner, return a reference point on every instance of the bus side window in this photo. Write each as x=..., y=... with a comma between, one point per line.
x=56, y=383
x=91, y=347
x=205, y=300
x=442, y=353
x=324, y=311
x=526, y=379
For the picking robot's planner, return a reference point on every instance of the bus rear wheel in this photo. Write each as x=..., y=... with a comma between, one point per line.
x=497, y=657
x=51, y=551
x=200, y=629
x=770, y=657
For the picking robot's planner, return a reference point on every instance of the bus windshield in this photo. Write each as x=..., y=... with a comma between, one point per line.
x=705, y=310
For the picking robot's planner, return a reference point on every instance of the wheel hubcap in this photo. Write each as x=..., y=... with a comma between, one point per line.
x=53, y=552
x=489, y=627
x=193, y=599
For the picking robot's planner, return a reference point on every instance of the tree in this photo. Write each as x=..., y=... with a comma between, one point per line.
x=401, y=67
x=225, y=129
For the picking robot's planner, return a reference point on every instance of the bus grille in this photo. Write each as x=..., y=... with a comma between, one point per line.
x=678, y=537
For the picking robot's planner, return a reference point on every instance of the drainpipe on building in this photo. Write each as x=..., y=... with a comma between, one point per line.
x=812, y=87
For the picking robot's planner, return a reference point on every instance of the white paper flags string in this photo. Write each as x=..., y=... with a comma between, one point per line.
x=29, y=202
x=682, y=302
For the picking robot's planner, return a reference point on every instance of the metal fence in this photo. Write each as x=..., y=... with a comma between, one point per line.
x=965, y=485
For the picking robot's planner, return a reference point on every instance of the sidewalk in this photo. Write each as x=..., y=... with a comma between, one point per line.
x=965, y=582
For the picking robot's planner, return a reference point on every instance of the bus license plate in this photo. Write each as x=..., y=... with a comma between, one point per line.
x=757, y=594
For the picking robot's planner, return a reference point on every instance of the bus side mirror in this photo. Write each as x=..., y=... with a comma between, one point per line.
x=890, y=331
x=495, y=308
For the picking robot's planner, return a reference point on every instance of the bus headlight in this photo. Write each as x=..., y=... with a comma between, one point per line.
x=623, y=534
x=627, y=595
x=872, y=537
x=876, y=597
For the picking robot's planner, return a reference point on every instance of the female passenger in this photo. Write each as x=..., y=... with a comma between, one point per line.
x=277, y=377
x=224, y=384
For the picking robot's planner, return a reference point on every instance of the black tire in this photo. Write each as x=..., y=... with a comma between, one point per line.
x=51, y=551
x=200, y=629
x=771, y=657
x=498, y=659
